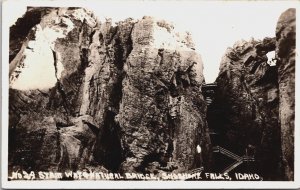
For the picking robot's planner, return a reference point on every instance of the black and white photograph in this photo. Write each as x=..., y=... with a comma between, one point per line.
x=149, y=94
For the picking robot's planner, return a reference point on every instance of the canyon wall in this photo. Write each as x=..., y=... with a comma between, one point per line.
x=248, y=94
x=285, y=54
x=127, y=97
x=122, y=97
x=255, y=100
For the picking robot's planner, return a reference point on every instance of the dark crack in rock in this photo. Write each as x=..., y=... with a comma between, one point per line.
x=255, y=101
x=247, y=97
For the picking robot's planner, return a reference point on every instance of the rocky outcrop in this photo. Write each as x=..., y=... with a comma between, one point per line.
x=248, y=97
x=161, y=113
x=85, y=94
x=47, y=132
x=285, y=53
x=255, y=101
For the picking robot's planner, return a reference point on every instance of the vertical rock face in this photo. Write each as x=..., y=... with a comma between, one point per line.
x=248, y=95
x=255, y=101
x=285, y=52
x=161, y=113
x=119, y=98
x=46, y=130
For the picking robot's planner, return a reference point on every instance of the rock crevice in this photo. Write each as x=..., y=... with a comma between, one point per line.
x=255, y=101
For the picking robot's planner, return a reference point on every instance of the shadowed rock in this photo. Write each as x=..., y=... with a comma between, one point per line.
x=285, y=53
x=119, y=96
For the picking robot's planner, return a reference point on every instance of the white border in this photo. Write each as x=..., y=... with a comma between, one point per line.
x=7, y=7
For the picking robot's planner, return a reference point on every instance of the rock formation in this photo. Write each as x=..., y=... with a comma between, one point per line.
x=248, y=95
x=285, y=53
x=86, y=94
x=127, y=97
x=255, y=101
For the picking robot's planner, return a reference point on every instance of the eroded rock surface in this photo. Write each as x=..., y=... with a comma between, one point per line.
x=248, y=97
x=161, y=113
x=46, y=130
x=255, y=101
x=285, y=52
x=115, y=97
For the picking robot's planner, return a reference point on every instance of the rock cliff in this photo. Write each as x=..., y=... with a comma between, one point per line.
x=85, y=94
x=255, y=100
x=285, y=53
x=127, y=97
x=248, y=97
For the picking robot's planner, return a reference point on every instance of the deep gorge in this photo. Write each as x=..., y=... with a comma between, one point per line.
x=120, y=99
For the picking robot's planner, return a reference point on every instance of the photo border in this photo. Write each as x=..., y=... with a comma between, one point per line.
x=7, y=6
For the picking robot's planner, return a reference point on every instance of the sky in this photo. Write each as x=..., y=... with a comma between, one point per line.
x=214, y=25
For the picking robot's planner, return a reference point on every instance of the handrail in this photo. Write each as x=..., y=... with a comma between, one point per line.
x=238, y=159
x=232, y=166
x=238, y=162
x=227, y=152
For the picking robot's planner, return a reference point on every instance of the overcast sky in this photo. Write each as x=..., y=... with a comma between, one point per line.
x=214, y=25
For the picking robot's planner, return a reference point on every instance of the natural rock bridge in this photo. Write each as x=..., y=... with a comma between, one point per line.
x=119, y=98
